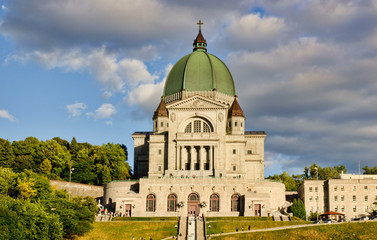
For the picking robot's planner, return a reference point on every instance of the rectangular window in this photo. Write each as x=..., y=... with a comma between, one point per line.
x=354, y=198
x=316, y=189
x=365, y=188
x=366, y=209
x=366, y=198
x=235, y=124
x=336, y=208
x=249, y=152
x=342, y=209
x=234, y=168
x=159, y=151
x=342, y=188
x=310, y=199
x=162, y=124
x=159, y=168
x=335, y=188
x=310, y=189
x=234, y=151
x=335, y=198
x=354, y=188
x=354, y=209
x=342, y=198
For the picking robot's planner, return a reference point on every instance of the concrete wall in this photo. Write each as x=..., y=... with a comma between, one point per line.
x=78, y=189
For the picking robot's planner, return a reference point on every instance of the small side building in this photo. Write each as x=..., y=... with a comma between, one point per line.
x=351, y=195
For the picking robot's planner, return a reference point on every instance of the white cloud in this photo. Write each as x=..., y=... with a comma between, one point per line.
x=106, y=110
x=109, y=122
x=252, y=31
x=6, y=115
x=75, y=109
x=3, y=7
x=115, y=74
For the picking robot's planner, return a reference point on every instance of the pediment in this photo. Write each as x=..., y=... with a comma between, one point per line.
x=197, y=103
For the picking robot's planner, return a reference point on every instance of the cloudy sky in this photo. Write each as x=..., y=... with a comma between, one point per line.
x=305, y=71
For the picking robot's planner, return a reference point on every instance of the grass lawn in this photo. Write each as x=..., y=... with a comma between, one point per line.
x=225, y=225
x=362, y=230
x=128, y=229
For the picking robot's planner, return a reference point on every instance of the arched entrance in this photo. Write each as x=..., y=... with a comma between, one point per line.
x=193, y=204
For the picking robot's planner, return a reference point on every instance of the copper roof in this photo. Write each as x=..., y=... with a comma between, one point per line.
x=161, y=110
x=235, y=109
x=199, y=38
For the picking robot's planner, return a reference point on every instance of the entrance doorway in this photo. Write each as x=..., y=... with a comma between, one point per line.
x=257, y=209
x=127, y=210
x=193, y=204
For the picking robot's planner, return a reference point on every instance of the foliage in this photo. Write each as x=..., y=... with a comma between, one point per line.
x=21, y=219
x=6, y=153
x=76, y=215
x=73, y=217
x=298, y=209
x=368, y=170
x=291, y=184
x=312, y=172
x=93, y=164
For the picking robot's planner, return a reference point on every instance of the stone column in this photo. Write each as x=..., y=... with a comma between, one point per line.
x=202, y=158
x=210, y=157
x=178, y=158
x=192, y=157
x=184, y=158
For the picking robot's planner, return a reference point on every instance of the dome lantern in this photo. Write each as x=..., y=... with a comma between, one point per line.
x=200, y=42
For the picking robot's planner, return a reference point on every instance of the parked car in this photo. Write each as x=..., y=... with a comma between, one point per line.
x=364, y=218
x=317, y=222
x=328, y=221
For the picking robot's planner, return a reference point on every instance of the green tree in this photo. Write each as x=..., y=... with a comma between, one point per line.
x=6, y=154
x=28, y=154
x=298, y=209
x=21, y=219
x=368, y=170
x=289, y=182
x=77, y=214
x=7, y=181
x=58, y=156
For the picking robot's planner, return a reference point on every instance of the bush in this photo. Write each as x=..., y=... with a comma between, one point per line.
x=21, y=219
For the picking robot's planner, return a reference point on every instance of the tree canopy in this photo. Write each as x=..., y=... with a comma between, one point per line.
x=31, y=209
x=93, y=164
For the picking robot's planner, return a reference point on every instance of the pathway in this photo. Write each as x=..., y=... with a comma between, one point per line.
x=191, y=228
x=271, y=229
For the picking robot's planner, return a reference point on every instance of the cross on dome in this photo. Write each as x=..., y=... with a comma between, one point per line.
x=200, y=23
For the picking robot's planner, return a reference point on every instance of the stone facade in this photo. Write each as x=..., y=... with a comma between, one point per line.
x=199, y=159
x=352, y=195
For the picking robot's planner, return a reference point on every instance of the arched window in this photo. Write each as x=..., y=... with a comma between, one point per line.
x=235, y=199
x=172, y=202
x=151, y=203
x=214, y=203
x=188, y=128
x=198, y=126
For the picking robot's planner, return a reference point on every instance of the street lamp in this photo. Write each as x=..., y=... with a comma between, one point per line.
x=70, y=174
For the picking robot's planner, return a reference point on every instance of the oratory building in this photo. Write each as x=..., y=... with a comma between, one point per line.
x=199, y=159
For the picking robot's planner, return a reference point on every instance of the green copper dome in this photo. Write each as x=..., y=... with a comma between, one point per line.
x=199, y=71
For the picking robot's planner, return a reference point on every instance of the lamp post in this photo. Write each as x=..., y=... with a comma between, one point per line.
x=70, y=174
x=317, y=191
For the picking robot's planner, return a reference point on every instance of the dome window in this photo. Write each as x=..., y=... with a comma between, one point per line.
x=198, y=126
x=188, y=128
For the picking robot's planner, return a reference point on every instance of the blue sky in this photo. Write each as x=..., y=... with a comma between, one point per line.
x=305, y=71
